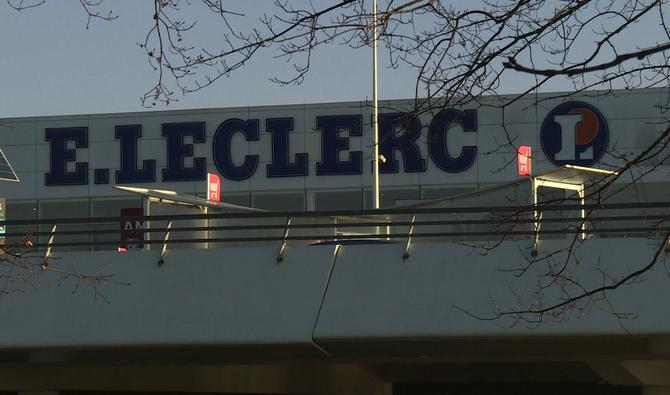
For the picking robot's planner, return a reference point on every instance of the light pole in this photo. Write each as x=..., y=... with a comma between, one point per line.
x=375, y=110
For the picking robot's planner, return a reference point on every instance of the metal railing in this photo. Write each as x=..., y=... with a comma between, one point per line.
x=388, y=225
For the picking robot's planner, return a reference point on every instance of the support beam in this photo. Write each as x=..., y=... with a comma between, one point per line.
x=50, y=246
x=293, y=378
x=655, y=390
x=409, y=239
x=651, y=373
x=282, y=246
x=613, y=372
x=165, y=243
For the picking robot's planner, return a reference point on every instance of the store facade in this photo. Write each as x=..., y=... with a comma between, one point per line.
x=327, y=319
x=317, y=156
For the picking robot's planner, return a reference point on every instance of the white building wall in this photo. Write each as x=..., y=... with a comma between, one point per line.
x=634, y=119
x=239, y=296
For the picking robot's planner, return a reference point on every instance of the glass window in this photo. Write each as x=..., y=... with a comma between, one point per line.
x=390, y=197
x=438, y=192
x=289, y=201
x=632, y=193
x=59, y=209
x=110, y=207
x=647, y=192
x=242, y=199
x=338, y=200
x=18, y=210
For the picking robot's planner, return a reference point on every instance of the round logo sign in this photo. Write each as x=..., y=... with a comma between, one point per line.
x=574, y=133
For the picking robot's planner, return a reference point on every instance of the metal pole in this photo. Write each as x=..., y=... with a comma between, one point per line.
x=375, y=126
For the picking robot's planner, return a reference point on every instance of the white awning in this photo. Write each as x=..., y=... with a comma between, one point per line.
x=189, y=200
x=7, y=173
x=567, y=174
x=572, y=174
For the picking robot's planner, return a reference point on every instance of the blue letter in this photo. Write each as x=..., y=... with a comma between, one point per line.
x=221, y=148
x=405, y=142
x=437, y=140
x=281, y=167
x=332, y=144
x=177, y=151
x=128, y=135
x=60, y=156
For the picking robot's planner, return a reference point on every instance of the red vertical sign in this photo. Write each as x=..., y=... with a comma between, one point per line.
x=213, y=187
x=523, y=160
x=132, y=235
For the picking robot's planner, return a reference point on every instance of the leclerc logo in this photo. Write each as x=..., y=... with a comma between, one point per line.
x=574, y=133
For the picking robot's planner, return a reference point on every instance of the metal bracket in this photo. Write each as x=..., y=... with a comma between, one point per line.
x=536, y=240
x=165, y=240
x=582, y=196
x=50, y=244
x=409, y=238
x=282, y=247
x=537, y=216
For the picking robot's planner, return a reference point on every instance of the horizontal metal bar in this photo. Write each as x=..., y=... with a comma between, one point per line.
x=366, y=236
x=493, y=221
x=343, y=213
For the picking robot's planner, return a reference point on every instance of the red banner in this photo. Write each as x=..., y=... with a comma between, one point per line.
x=213, y=187
x=523, y=160
x=132, y=236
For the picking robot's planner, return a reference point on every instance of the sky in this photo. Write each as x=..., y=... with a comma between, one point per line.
x=51, y=64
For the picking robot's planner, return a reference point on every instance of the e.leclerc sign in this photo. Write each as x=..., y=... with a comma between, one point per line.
x=335, y=132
